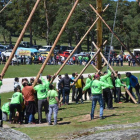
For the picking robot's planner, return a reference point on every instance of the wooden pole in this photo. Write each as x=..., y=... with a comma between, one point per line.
x=99, y=33
x=20, y=38
x=114, y=34
x=5, y=6
x=76, y=48
x=88, y=63
x=56, y=40
x=114, y=73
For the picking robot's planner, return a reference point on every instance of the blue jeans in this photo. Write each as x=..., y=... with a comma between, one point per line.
x=30, y=118
x=53, y=109
x=66, y=92
x=96, y=98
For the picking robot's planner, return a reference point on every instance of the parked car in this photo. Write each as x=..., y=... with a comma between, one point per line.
x=36, y=46
x=45, y=54
x=2, y=48
x=7, y=52
x=45, y=48
x=64, y=54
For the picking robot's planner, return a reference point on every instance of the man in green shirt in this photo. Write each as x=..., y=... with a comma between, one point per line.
x=42, y=100
x=16, y=103
x=80, y=60
x=96, y=91
x=118, y=85
x=53, y=100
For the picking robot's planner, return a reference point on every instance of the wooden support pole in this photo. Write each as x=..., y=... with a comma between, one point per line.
x=99, y=32
x=5, y=6
x=100, y=69
x=76, y=48
x=20, y=38
x=114, y=34
x=114, y=73
x=88, y=63
x=56, y=40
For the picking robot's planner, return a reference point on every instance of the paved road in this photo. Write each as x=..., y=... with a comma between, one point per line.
x=8, y=83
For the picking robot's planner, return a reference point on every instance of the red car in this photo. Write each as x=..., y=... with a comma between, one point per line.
x=64, y=54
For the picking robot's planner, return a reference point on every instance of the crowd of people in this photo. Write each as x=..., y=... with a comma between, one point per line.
x=102, y=87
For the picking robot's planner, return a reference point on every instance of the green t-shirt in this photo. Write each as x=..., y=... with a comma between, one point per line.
x=41, y=91
x=0, y=83
x=80, y=57
x=86, y=58
x=46, y=83
x=96, y=86
x=51, y=95
x=17, y=98
x=118, y=83
x=5, y=108
x=127, y=80
x=88, y=80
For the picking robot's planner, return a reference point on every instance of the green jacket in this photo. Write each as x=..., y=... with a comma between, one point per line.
x=109, y=81
x=127, y=81
x=88, y=80
x=118, y=83
x=6, y=108
x=17, y=98
x=96, y=86
x=104, y=78
x=41, y=91
x=46, y=83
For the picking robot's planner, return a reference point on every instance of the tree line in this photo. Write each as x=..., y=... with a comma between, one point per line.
x=51, y=14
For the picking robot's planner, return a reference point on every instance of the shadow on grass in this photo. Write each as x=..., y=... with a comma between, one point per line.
x=63, y=123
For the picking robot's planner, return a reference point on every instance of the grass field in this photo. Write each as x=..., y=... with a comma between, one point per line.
x=32, y=70
x=72, y=119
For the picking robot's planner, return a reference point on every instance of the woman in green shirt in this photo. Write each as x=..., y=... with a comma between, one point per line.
x=53, y=100
x=16, y=103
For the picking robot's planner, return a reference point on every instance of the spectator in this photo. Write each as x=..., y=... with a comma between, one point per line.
x=59, y=87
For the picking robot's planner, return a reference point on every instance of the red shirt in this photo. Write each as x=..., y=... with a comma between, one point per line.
x=28, y=93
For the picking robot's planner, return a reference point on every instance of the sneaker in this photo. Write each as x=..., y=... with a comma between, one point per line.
x=120, y=102
x=55, y=124
x=101, y=118
x=110, y=108
x=49, y=123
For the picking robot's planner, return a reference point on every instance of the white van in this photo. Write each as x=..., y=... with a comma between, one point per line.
x=2, y=48
x=45, y=48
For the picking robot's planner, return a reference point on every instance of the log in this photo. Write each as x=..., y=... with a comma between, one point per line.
x=56, y=40
x=76, y=47
x=114, y=73
x=114, y=34
x=20, y=38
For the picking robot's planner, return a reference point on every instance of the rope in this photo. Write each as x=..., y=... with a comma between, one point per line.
x=5, y=6
x=112, y=34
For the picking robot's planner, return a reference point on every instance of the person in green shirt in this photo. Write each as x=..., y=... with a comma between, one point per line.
x=16, y=103
x=96, y=92
x=88, y=80
x=5, y=111
x=42, y=100
x=53, y=100
x=80, y=60
x=118, y=85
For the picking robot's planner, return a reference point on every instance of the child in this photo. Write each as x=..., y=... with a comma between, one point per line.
x=53, y=100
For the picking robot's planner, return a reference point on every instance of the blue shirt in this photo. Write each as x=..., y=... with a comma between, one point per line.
x=133, y=80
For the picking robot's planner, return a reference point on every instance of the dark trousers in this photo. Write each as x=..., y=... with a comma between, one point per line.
x=107, y=97
x=89, y=93
x=66, y=92
x=12, y=111
x=43, y=103
x=73, y=92
x=78, y=93
x=114, y=92
x=118, y=92
x=59, y=93
x=137, y=91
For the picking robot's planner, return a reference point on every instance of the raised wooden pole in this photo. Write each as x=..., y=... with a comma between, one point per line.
x=5, y=6
x=76, y=48
x=114, y=34
x=88, y=63
x=56, y=40
x=20, y=38
x=114, y=73
x=99, y=33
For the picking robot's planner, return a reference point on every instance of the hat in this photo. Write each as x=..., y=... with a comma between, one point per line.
x=48, y=76
x=96, y=76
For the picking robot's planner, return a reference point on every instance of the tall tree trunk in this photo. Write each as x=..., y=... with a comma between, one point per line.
x=77, y=41
x=4, y=39
x=34, y=41
x=31, y=34
x=88, y=43
x=47, y=21
x=10, y=39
